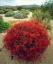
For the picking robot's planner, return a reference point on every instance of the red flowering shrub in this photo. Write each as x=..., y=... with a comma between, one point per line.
x=27, y=40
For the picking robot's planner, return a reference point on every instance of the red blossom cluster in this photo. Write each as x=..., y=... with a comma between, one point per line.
x=27, y=40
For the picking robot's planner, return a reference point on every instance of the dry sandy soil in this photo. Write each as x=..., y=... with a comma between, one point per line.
x=46, y=58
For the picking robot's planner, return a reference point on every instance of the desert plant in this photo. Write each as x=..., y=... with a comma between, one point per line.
x=14, y=8
x=25, y=12
x=1, y=12
x=7, y=10
x=47, y=24
x=4, y=26
x=48, y=6
x=39, y=15
x=43, y=17
x=51, y=13
x=20, y=15
x=29, y=40
x=9, y=14
x=10, y=10
x=1, y=19
x=47, y=16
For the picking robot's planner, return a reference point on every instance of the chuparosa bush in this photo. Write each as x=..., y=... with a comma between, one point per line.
x=27, y=40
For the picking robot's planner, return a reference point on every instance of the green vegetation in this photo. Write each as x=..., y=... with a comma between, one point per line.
x=4, y=10
x=1, y=12
x=4, y=25
x=40, y=15
x=48, y=6
x=44, y=14
x=9, y=14
x=47, y=25
x=7, y=10
x=1, y=19
x=26, y=12
x=43, y=17
x=20, y=15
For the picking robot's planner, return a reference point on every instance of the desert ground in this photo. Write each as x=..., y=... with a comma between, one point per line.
x=5, y=58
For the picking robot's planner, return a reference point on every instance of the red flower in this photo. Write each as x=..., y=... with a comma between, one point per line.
x=27, y=40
